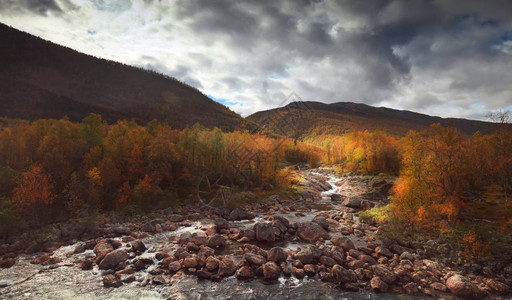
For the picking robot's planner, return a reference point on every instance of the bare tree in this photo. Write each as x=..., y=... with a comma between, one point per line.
x=503, y=117
x=500, y=116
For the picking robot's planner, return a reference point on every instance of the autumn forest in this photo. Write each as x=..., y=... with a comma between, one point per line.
x=56, y=170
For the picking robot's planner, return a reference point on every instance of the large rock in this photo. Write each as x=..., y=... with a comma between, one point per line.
x=311, y=232
x=138, y=246
x=7, y=263
x=212, y=263
x=336, y=197
x=343, y=242
x=343, y=275
x=216, y=241
x=226, y=266
x=277, y=255
x=321, y=221
x=245, y=272
x=264, y=232
x=113, y=259
x=354, y=202
x=270, y=271
x=221, y=223
x=237, y=215
x=308, y=255
x=111, y=281
x=378, y=285
x=384, y=273
x=461, y=286
x=254, y=259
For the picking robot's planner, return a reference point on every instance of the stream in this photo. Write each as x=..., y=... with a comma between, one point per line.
x=65, y=281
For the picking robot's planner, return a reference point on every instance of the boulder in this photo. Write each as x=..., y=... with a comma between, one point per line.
x=254, y=259
x=221, y=223
x=175, y=266
x=354, y=202
x=461, y=286
x=7, y=263
x=383, y=252
x=311, y=232
x=113, y=259
x=226, y=266
x=190, y=262
x=384, y=273
x=264, y=232
x=270, y=271
x=111, y=281
x=336, y=197
x=343, y=275
x=245, y=272
x=216, y=241
x=277, y=255
x=343, y=242
x=308, y=255
x=321, y=221
x=138, y=246
x=212, y=263
x=237, y=215
x=378, y=285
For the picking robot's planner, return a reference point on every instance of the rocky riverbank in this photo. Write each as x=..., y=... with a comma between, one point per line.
x=313, y=245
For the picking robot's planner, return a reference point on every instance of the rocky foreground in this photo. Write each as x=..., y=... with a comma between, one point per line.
x=315, y=237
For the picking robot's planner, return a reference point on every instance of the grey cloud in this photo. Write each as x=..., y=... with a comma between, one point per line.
x=418, y=54
x=40, y=7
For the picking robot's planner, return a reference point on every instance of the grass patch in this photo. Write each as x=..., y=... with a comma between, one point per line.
x=377, y=214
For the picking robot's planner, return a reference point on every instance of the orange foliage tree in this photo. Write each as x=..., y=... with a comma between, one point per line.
x=34, y=193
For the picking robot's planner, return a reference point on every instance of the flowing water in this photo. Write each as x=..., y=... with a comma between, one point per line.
x=65, y=281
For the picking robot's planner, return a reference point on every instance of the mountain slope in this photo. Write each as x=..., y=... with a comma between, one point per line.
x=39, y=79
x=301, y=119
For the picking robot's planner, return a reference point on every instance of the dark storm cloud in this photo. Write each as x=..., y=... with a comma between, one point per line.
x=41, y=7
x=438, y=57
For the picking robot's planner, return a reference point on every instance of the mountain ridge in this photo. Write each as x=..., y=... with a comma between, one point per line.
x=41, y=79
x=311, y=118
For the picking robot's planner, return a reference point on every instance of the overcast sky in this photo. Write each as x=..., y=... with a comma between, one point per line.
x=446, y=58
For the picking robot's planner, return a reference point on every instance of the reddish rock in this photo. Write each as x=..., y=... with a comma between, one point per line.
x=343, y=275
x=277, y=255
x=138, y=246
x=226, y=266
x=212, y=263
x=461, y=286
x=111, y=281
x=175, y=266
x=190, y=262
x=216, y=241
x=378, y=285
x=326, y=276
x=264, y=232
x=327, y=261
x=113, y=259
x=438, y=286
x=244, y=272
x=383, y=252
x=254, y=259
x=343, y=242
x=40, y=259
x=270, y=271
x=310, y=270
x=311, y=232
x=411, y=288
x=384, y=273
x=85, y=265
x=298, y=272
x=7, y=263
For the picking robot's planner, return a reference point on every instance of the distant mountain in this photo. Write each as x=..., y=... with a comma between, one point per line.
x=40, y=79
x=301, y=119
